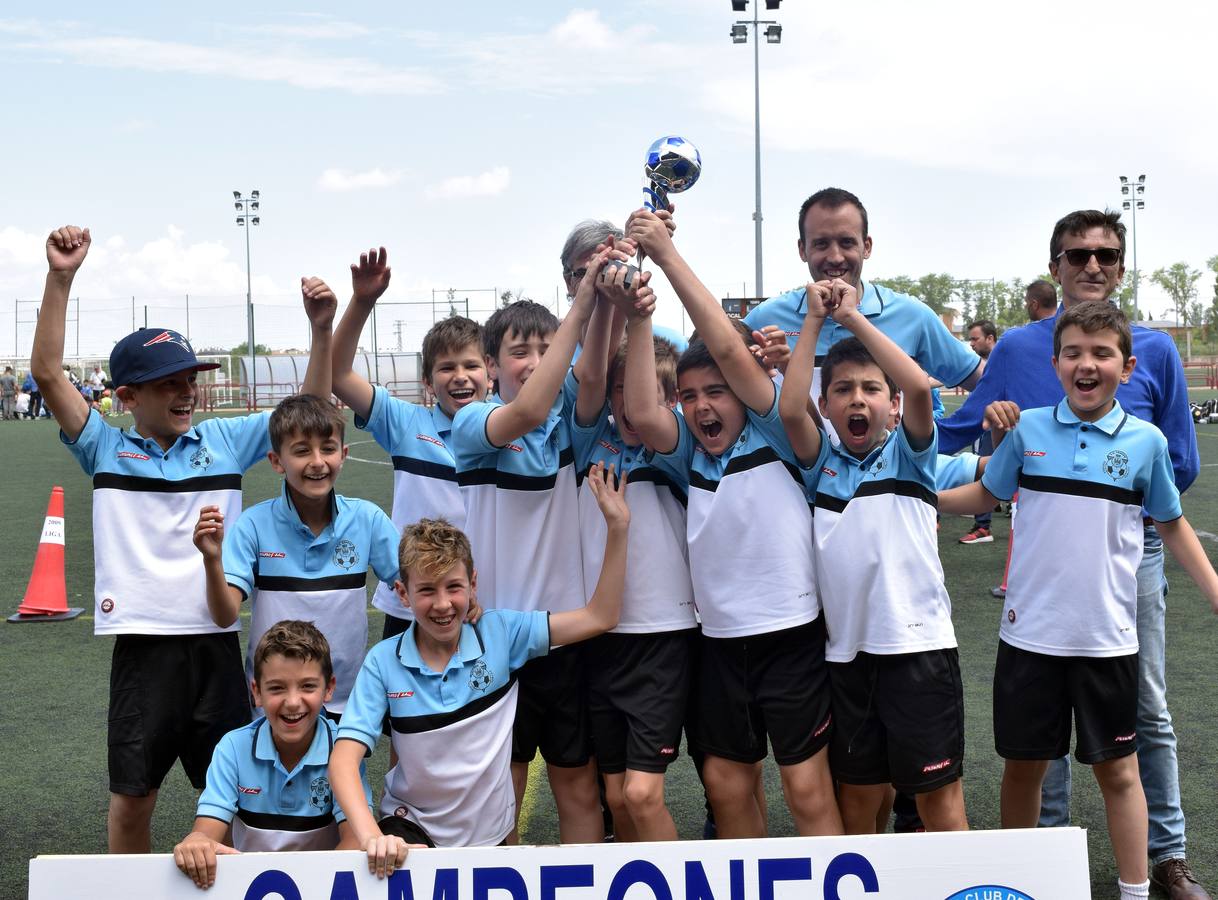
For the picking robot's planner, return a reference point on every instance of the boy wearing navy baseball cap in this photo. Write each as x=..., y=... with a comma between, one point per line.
x=177, y=682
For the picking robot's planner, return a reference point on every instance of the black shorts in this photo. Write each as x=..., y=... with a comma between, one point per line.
x=898, y=720
x=394, y=626
x=172, y=697
x=774, y=685
x=408, y=830
x=638, y=686
x=1034, y=695
x=552, y=711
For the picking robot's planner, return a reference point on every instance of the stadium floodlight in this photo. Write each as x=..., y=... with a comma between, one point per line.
x=236, y=195
x=253, y=195
x=740, y=35
x=247, y=205
x=1132, y=191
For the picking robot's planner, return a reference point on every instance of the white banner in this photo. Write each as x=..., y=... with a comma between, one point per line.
x=1033, y=864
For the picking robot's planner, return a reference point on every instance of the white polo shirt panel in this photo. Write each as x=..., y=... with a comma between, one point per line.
x=877, y=551
x=452, y=730
x=287, y=572
x=148, y=574
x=522, y=510
x=1072, y=585
x=749, y=529
x=269, y=807
x=424, y=473
x=658, y=595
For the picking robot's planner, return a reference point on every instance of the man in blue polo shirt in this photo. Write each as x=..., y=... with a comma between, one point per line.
x=1086, y=257
x=834, y=242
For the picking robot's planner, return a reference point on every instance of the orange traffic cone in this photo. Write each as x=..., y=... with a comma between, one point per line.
x=46, y=596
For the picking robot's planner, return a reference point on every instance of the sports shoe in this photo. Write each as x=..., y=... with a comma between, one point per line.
x=1000, y=592
x=1175, y=878
x=978, y=535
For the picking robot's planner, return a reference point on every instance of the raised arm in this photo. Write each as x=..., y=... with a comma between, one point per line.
x=67, y=248
x=531, y=406
x=744, y=376
x=605, y=605
x=1180, y=538
x=918, y=417
x=320, y=306
x=369, y=279
x=802, y=429
x=223, y=600
x=655, y=423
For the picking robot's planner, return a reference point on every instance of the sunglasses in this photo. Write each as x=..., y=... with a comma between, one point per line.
x=576, y=274
x=1080, y=256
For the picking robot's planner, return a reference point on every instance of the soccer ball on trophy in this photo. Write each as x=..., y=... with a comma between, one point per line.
x=673, y=165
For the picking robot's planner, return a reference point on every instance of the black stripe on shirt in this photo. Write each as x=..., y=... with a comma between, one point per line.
x=436, y=721
x=759, y=457
x=1077, y=488
x=298, y=585
x=424, y=468
x=283, y=822
x=879, y=488
x=659, y=478
x=510, y=481
x=142, y=484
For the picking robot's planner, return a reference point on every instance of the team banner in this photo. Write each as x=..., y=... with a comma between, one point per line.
x=1033, y=864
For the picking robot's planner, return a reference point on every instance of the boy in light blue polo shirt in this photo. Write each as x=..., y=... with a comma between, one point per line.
x=1068, y=641
x=306, y=553
x=269, y=780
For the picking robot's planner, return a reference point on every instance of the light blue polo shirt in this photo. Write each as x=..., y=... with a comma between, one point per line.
x=1072, y=585
x=269, y=807
x=148, y=575
x=521, y=508
x=954, y=471
x=452, y=730
x=749, y=529
x=275, y=560
x=909, y=322
x=424, y=472
x=658, y=595
x=877, y=550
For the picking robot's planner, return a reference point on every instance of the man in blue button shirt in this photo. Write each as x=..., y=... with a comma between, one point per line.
x=1086, y=257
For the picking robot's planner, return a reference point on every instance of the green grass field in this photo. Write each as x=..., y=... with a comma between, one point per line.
x=53, y=788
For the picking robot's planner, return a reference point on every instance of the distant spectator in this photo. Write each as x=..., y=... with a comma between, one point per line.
x=30, y=386
x=8, y=393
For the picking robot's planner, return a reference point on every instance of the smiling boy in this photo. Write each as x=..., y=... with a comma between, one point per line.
x=449, y=689
x=418, y=439
x=176, y=685
x=268, y=780
x=1068, y=642
x=897, y=697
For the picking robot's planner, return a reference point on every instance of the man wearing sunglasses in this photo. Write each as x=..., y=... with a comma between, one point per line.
x=1086, y=257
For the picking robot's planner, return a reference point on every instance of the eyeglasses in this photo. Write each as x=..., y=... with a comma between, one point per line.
x=1080, y=256
x=576, y=274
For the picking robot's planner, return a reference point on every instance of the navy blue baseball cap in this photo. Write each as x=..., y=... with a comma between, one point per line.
x=152, y=353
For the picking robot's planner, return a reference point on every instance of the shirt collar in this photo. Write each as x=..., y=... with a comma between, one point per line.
x=286, y=508
x=866, y=462
x=439, y=418
x=1110, y=424
x=132, y=434
x=318, y=753
x=469, y=648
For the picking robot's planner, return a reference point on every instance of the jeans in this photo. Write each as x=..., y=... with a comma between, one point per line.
x=1156, y=739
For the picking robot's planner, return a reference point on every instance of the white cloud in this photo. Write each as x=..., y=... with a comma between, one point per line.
x=323, y=29
x=487, y=184
x=343, y=180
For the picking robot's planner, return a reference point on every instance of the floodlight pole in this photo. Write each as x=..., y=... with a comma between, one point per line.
x=1133, y=192
x=246, y=205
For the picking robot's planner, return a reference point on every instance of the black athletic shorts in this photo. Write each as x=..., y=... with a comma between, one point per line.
x=408, y=830
x=773, y=685
x=898, y=720
x=394, y=626
x=1034, y=695
x=552, y=710
x=638, y=686
x=172, y=697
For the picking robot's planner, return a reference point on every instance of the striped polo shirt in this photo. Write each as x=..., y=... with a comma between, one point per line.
x=148, y=575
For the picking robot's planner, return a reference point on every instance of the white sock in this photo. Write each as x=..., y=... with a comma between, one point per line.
x=1133, y=891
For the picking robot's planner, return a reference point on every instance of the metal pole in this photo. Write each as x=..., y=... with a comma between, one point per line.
x=145, y=317
x=249, y=308
x=757, y=144
x=188, y=317
x=1133, y=209
x=133, y=312
x=376, y=354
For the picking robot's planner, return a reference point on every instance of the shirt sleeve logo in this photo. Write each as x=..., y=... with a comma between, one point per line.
x=320, y=795
x=201, y=459
x=345, y=554
x=1116, y=465
x=481, y=676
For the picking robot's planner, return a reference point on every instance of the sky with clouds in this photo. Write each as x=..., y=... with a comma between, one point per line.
x=469, y=137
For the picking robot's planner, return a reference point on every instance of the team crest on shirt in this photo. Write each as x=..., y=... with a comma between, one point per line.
x=345, y=554
x=481, y=677
x=880, y=465
x=319, y=792
x=1116, y=465
x=201, y=458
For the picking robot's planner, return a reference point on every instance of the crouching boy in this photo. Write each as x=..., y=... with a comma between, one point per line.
x=449, y=689
x=267, y=780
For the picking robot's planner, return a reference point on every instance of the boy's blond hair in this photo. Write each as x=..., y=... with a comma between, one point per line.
x=666, y=366
x=431, y=547
x=294, y=639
